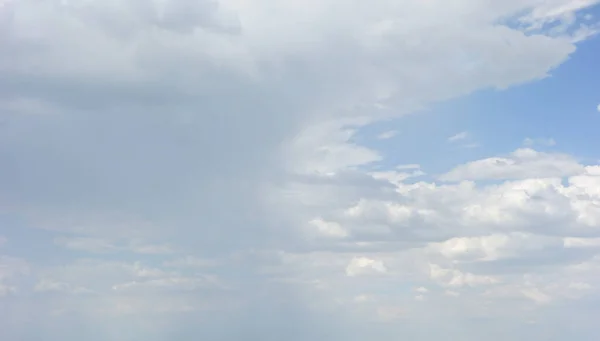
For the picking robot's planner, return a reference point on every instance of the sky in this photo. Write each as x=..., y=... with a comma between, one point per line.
x=299, y=170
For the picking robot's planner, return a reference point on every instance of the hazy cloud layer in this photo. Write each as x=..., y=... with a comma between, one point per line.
x=179, y=169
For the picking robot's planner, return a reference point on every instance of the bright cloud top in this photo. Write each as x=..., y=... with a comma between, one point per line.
x=182, y=169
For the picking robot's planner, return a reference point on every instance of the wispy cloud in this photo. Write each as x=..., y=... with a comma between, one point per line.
x=463, y=140
x=546, y=142
x=458, y=137
x=387, y=135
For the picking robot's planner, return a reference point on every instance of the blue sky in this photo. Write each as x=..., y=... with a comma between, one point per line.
x=300, y=170
x=498, y=121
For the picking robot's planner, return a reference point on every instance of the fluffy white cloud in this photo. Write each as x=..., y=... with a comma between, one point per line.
x=364, y=265
x=492, y=247
x=518, y=239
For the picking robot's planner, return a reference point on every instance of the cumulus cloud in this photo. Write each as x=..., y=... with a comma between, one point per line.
x=456, y=278
x=364, y=265
x=194, y=165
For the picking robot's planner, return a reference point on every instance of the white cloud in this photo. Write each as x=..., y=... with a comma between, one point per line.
x=520, y=164
x=458, y=137
x=396, y=177
x=364, y=265
x=387, y=135
x=456, y=278
x=314, y=147
x=556, y=11
x=326, y=228
x=493, y=247
x=465, y=139
x=422, y=290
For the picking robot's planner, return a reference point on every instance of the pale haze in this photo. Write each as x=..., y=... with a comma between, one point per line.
x=332, y=170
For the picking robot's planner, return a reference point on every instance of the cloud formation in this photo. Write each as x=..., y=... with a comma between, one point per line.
x=520, y=164
x=183, y=169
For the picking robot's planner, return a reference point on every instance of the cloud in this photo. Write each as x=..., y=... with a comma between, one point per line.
x=520, y=164
x=11, y=271
x=99, y=245
x=491, y=247
x=173, y=283
x=364, y=265
x=332, y=229
x=547, y=142
x=48, y=285
x=571, y=242
x=458, y=137
x=86, y=244
x=194, y=165
x=387, y=135
x=191, y=262
x=422, y=290
x=465, y=139
x=456, y=278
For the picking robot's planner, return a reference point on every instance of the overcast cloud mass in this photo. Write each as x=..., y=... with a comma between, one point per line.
x=192, y=169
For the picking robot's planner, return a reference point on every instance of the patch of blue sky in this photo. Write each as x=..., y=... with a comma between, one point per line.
x=562, y=108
